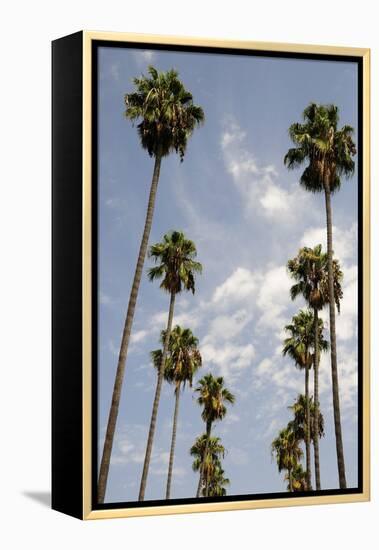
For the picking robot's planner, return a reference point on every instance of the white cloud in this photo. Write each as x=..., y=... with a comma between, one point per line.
x=239, y=286
x=138, y=336
x=126, y=452
x=257, y=184
x=226, y=327
x=279, y=202
x=344, y=240
x=230, y=359
x=273, y=298
x=346, y=322
x=232, y=134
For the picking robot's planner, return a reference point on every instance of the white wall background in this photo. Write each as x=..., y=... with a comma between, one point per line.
x=27, y=29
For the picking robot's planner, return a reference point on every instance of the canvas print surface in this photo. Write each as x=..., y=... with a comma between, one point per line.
x=227, y=261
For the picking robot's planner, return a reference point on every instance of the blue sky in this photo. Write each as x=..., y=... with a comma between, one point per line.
x=248, y=216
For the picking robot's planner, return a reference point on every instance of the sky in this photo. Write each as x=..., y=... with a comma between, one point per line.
x=247, y=215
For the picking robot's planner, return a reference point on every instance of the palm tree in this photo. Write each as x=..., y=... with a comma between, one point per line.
x=298, y=424
x=183, y=361
x=299, y=479
x=299, y=347
x=176, y=267
x=287, y=452
x=328, y=152
x=212, y=397
x=206, y=462
x=310, y=270
x=217, y=483
x=167, y=118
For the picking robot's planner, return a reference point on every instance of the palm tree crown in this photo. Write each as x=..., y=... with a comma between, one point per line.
x=212, y=397
x=216, y=451
x=183, y=359
x=327, y=150
x=298, y=479
x=285, y=448
x=301, y=340
x=167, y=112
x=310, y=271
x=177, y=266
x=298, y=424
x=217, y=483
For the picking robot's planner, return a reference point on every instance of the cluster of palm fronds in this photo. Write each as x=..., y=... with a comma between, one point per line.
x=318, y=276
x=182, y=361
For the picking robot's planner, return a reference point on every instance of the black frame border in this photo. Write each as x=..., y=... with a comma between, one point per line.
x=95, y=44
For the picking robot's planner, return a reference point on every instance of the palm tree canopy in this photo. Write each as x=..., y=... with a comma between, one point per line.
x=300, y=343
x=212, y=397
x=183, y=357
x=177, y=266
x=217, y=483
x=299, y=479
x=216, y=451
x=286, y=449
x=310, y=271
x=165, y=110
x=298, y=424
x=327, y=150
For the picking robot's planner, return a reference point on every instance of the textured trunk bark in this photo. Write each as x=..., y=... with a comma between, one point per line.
x=333, y=342
x=308, y=430
x=316, y=403
x=154, y=412
x=209, y=428
x=199, y=486
x=113, y=413
x=173, y=441
x=290, y=480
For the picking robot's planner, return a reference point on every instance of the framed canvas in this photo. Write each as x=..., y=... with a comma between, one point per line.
x=210, y=275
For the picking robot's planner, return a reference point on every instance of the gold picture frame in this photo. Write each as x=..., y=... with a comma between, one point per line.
x=84, y=508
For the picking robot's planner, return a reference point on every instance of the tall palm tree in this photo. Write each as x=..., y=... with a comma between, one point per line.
x=298, y=424
x=183, y=360
x=310, y=270
x=299, y=347
x=206, y=461
x=213, y=396
x=328, y=152
x=176, y=266
x=287, y=452
x=167, y=118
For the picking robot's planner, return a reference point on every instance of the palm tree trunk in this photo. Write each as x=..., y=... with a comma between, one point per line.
x=113, y=413
x=290, y=480
x=199, y=485
x=154, y=412
x=308, y=430
x=209, y=428
x=316, y=403
x=173, y=440
x=333, y=341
